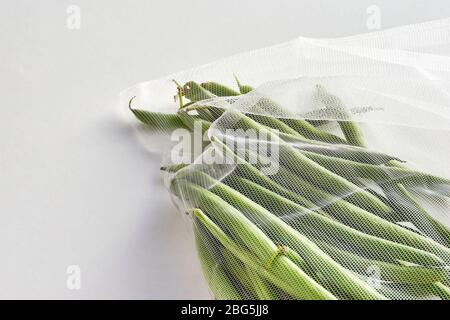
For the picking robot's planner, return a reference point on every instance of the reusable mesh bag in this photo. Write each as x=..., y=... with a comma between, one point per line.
x=314, y=169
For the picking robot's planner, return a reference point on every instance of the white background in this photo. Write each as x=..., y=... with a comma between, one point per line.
x=76, y=187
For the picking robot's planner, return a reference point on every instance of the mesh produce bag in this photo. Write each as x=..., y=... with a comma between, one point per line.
x=314, y=169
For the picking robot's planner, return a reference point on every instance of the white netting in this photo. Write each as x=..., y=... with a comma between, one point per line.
x=323, y=175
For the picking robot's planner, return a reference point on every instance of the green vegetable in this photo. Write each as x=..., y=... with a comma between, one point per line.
x=243, y=89
x=338, y=208
x=219, y=89
x=317, y=227
x=158, y=121
x=351, y=131
x=217, y=278
x=283, y=272
x=309, y=252
x=291, y=212
x=353, y=170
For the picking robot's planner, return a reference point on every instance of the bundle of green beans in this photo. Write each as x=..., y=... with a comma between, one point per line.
x=328, y=224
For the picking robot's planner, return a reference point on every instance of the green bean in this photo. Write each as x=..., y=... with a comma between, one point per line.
x=194, y=92
x=318, y=123
x=413, y=201
x=411, y=210
x=265, y=110
x=246, y=89
x=308, y=250
x=247, y=171
x=273, y=123
x=294, y=256
x=251, y=281
x=264, y=292
x=283, y=272
x=310, y=131
x=159, y=121
x=314, y=172
x=358, y=218
x=350, y=129
x=388, y=271
x=352, y=153
x=272, y=201
x=352, y=132
x=235, y=223
x=215, y=111
x=353, y=170
x=267, y=121
x=312, y=228
x=293, y=138
x=218, y=281
x=292, y=127
x=173, y=168
x=243, y=89
x=400, y=291
x=330, y=182
x=239, y=272
x=375, y=247
x=442, y=290
x=300, y=130
x=247, y=233
x=189, y=121
x=219, y=89
x=163, y=122
x=285, y=184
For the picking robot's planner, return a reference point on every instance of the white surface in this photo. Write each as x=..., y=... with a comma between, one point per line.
x=76, y=187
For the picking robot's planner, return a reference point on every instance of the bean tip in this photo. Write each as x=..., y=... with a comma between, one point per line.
x=130, y=102
x=194, y=212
